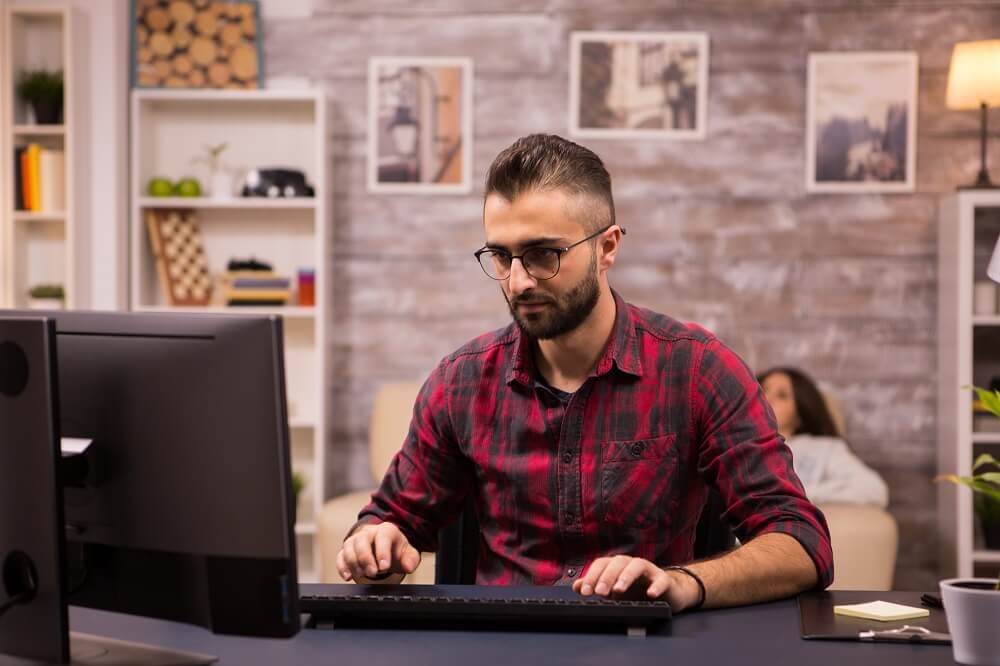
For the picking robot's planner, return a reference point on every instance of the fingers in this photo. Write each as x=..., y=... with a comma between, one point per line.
x=406, y=555
x=630, y=573
x=601, y=575
x=616, y=576
x=364, y=555
x=376, y=549
x=385, y=538
x=609, y=577
x=342, y=568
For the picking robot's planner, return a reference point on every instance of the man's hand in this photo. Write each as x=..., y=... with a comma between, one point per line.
x=376, y=549
x=614, y=577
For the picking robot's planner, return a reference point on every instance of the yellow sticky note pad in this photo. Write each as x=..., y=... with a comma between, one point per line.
x=883, y=611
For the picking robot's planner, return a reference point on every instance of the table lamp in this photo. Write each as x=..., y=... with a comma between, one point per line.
x=974, y=83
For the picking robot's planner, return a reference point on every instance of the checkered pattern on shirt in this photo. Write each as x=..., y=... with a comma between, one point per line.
x=624, y=467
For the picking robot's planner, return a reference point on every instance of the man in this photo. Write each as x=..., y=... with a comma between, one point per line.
x=590, y=430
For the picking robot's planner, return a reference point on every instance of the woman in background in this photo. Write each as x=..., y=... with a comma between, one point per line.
x=828, y=469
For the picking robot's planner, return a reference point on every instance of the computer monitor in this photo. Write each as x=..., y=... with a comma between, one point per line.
x=181, y=507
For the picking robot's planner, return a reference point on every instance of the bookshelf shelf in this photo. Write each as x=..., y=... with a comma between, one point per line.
x=290, y=311
x=251, y=203
x=26, y=216
x=261, y=128
x=986, y=555
x=38, y=217
x=38, y=130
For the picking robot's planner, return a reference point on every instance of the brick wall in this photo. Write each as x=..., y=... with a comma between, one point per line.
x=720, y=231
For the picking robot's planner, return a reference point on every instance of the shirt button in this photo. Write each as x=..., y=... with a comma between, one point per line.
x=571, y=572
x=637, y=450
x=570, y=517
x=568, y=457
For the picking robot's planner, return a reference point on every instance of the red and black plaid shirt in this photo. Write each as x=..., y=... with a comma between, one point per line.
x=623, y=467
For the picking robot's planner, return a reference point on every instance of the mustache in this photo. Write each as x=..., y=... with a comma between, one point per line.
x=527, y=298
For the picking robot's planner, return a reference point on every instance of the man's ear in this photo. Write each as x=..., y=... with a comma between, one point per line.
x=607, y=248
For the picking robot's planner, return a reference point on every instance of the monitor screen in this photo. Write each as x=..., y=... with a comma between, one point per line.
x=182, y=506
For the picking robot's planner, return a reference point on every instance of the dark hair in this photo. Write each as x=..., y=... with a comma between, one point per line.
x=540, y=162
x=814, y=417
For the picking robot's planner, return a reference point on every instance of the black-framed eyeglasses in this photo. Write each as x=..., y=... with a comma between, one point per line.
x=541, y=263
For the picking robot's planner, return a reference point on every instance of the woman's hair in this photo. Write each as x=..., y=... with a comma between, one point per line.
x=814, y=417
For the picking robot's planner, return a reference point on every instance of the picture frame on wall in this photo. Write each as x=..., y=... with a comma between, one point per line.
x=196, y=44
x=638, y=84
x=420, y=125
x=861, y=122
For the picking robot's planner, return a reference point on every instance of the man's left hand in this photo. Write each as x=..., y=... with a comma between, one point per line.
x=614, y=577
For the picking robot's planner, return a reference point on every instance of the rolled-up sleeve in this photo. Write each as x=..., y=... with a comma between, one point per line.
x=744, y=458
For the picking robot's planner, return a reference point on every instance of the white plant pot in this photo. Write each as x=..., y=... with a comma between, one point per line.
x=222, y=185
x=45, y=304
x=973, y=618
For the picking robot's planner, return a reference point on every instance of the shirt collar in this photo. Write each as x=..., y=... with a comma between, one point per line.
x=622, y=350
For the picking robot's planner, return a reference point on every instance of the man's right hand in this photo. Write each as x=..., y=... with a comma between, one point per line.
x=374, y=550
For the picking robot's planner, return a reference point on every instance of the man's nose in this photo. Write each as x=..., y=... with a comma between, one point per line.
x=520, y=280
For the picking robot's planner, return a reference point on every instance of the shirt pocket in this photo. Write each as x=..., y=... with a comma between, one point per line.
x=638, y=481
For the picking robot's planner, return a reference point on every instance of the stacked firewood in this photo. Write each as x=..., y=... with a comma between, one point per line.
x=196, y=44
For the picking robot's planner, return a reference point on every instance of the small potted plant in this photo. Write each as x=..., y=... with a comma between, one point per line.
x=221, y=183
x=46, y=297
x=973, y=604
x=43, y=90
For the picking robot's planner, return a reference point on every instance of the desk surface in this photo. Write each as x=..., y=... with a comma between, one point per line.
x=760, y=634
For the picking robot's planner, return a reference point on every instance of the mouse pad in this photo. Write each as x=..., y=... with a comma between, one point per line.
x=818, y=621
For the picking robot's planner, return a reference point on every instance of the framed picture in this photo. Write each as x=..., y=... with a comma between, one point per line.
x=861, y=123
x=638, y=84
x=420, y=125
x=196, y=44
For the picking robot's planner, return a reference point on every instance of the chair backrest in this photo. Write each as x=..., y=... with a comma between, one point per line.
x=389, y=424
x=458, y=544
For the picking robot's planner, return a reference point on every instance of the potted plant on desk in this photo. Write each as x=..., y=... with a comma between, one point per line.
x=973, y=604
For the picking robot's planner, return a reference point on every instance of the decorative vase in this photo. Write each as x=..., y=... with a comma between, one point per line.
x=222, y=184
x=973, y=609
x=47, y=111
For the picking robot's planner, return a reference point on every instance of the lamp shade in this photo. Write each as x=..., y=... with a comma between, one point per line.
x=974, y=75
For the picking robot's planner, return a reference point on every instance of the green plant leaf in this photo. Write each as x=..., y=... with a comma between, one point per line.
x=984, y=459
x=989, y=399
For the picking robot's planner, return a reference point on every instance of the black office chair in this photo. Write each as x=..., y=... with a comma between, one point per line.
x=458, y=544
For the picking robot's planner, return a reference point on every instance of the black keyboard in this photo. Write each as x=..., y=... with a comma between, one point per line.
x=460, y=606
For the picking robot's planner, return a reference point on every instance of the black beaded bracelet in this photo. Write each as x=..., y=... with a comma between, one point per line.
x=697, y=579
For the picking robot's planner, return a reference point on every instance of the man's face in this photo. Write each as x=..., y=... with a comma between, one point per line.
x=550, y=308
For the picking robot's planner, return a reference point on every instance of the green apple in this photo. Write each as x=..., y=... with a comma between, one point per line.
x=188, y=187
x=160, y=187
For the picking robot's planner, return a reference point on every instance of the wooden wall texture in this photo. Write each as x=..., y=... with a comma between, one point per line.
x=721, y=231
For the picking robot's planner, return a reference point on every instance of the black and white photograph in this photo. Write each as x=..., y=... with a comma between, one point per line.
x=861, y=123
x=638, y=84
x=419, y=125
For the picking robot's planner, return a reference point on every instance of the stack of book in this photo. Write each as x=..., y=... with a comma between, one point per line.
x=255, y=288
x=39, y=179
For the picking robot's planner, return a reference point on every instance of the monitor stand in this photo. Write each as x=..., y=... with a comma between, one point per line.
x=35, y=629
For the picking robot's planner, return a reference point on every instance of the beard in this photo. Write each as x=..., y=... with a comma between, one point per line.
x=563, y=314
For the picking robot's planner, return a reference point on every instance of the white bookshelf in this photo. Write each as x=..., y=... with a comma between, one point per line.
x=263, y=128
x=37, y=247
x=968, y=353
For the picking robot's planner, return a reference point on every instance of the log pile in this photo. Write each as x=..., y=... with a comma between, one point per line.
x=196, y=44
